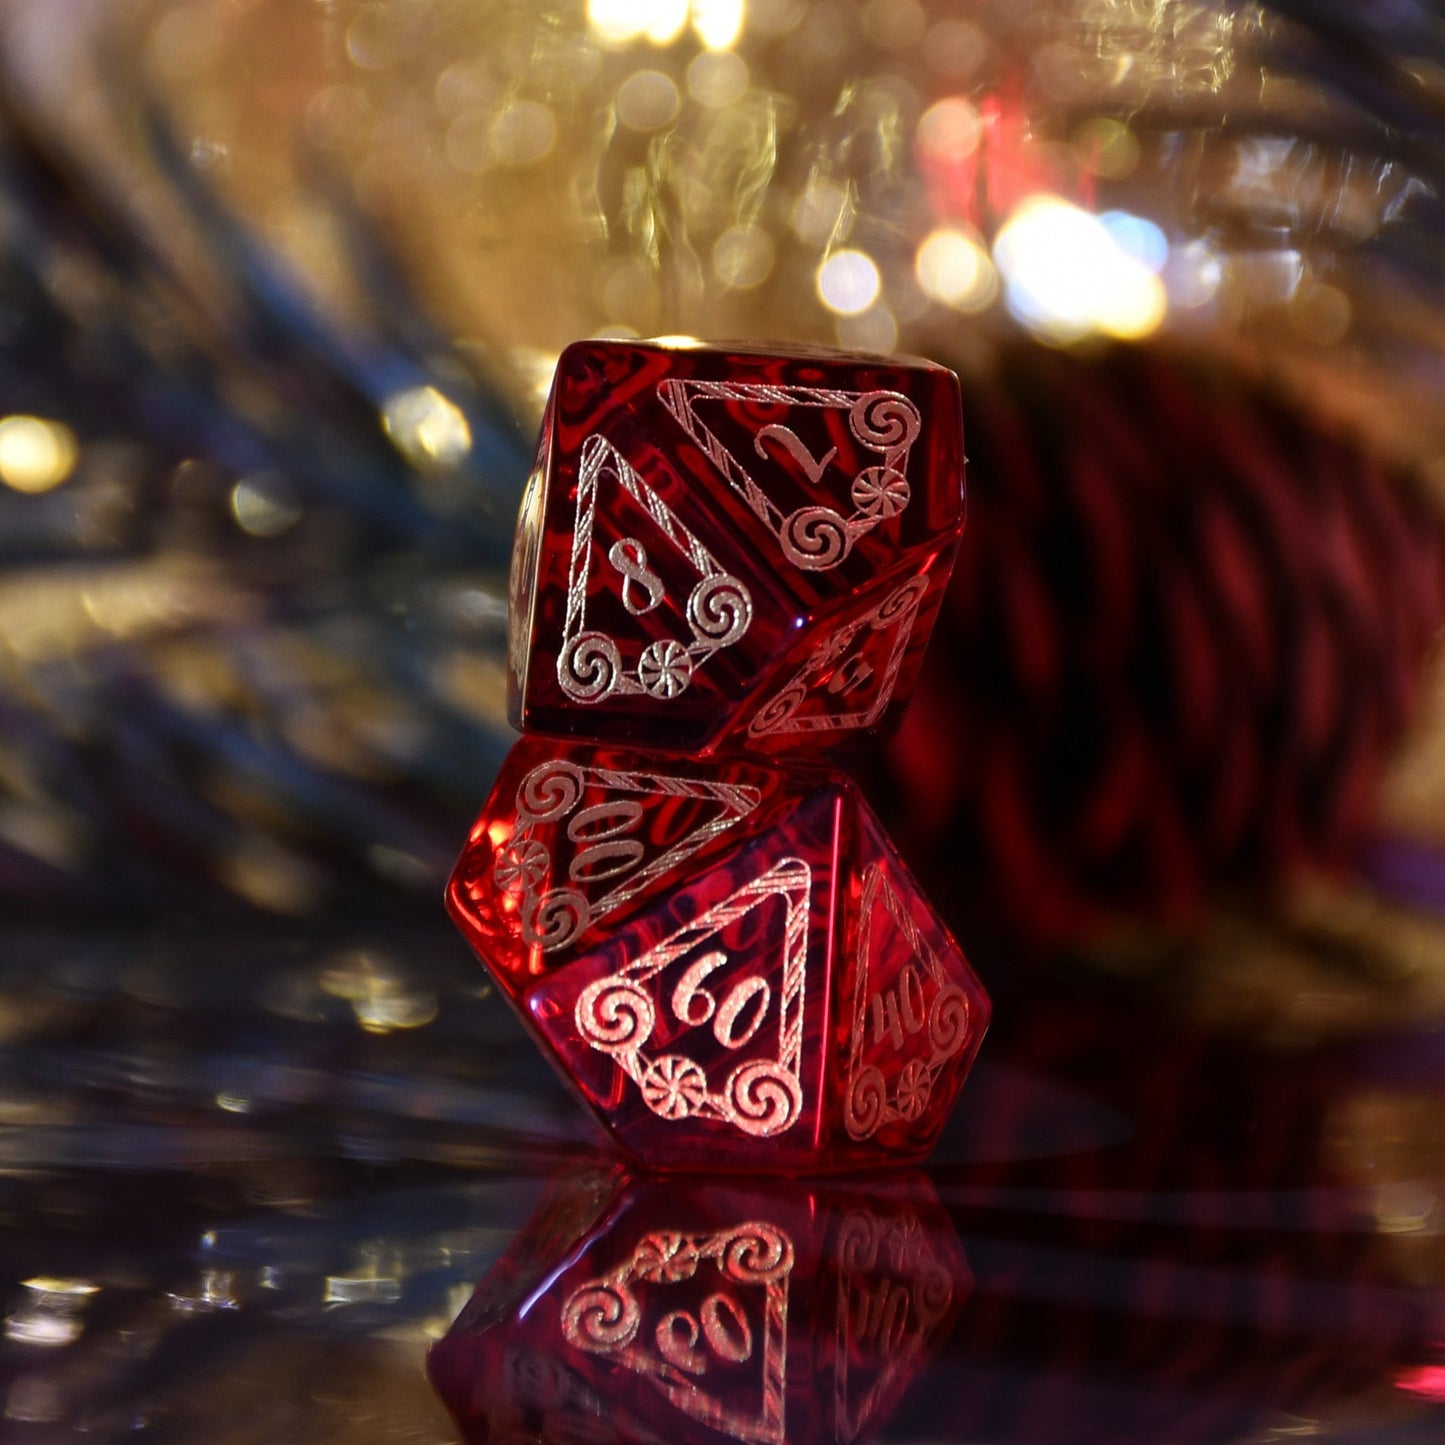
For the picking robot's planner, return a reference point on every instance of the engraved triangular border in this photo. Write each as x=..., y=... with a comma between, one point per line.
x=551, y=790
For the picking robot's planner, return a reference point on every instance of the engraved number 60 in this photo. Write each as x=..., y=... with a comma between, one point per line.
x=723, y=1325
x=694, y=1005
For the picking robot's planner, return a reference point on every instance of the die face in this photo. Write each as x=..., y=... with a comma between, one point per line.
x=693, y=512
x=574, y=838
x=709, y=1312
x=696, y=1031
x=853, y=670
x=911, y=1013
x=647, y=618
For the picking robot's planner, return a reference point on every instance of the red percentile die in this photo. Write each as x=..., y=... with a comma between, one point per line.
x=703, y=1313
x=731, y=547
x=730, y=964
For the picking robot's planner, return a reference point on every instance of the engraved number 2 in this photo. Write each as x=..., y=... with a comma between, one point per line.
x=792, y=443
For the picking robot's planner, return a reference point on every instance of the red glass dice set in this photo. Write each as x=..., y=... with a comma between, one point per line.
x=725, y=562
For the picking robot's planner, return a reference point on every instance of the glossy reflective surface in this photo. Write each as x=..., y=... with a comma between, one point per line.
x=704, y=1312
x=247, y=1183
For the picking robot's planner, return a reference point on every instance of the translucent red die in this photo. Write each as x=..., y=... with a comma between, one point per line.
x=731, y=546
x=729, y=964
x=631, y=1312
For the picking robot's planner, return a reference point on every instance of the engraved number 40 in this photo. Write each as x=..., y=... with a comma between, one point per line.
x=901, y=1009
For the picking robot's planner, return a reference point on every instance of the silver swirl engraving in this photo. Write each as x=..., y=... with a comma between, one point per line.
x=601, y=1317
x=904, y=600
x=521, y=865
x=720, y=609
x=880, y=492
x=774, y=714
x=666, y=1257
x=549, y=791
x=673, y=1087
x=915, y=1085
x=815, y=538
x=555, y=918
x=589, y=666
x=664, y=669
x=757, y=1254
x=613, y=1015
x=884, y=420
x=948, y=1020
x=867, y=1099
x=932, y=1295
x=764, y=1098
x=858, y=1241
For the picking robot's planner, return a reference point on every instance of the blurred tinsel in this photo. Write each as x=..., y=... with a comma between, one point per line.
x=279, y=290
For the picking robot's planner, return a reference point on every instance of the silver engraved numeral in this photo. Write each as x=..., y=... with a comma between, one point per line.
x=719, y=608
x=812, y=537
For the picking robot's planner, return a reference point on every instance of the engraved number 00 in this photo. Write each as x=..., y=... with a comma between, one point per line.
x=607, y=851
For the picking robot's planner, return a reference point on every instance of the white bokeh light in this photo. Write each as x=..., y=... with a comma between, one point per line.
x=848, y=282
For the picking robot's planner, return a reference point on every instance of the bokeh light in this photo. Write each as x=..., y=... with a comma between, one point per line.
x=1067, y=277
x=949, y=130
x=742, y=257
x=616, y=22
x=523, y=133
x=953, y=268
x=848, y=282
x=717, y=78
x=718, y=23
x=1193, y=273
x=264, y=506
x=427, y=428
x=647, y=100
x=35, y=454
x=1106, y=147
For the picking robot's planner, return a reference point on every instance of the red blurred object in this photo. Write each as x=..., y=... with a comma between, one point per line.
x=980, y=161
x=730, y=965
x=1182, y=639
x=705, y=1313
x=731, y=547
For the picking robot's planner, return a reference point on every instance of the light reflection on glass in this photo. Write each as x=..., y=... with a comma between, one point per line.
x=51, y=1313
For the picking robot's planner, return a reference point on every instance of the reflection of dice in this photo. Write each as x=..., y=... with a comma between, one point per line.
x=731, y=545
x=705, y=1313
x=731, y=965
